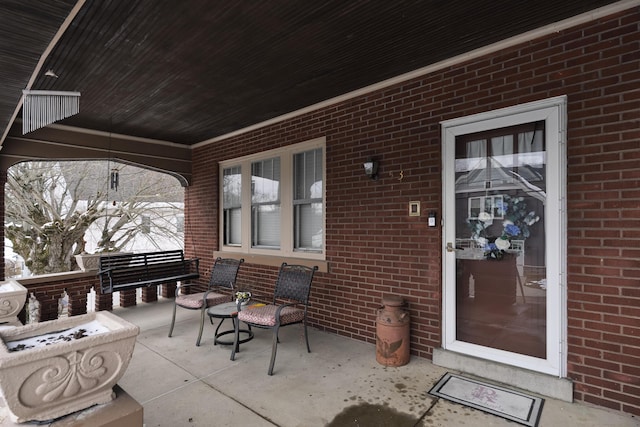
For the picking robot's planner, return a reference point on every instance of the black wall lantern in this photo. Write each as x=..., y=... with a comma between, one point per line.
x=371, y=168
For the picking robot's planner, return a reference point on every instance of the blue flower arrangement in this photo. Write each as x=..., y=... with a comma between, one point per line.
x=517, y=220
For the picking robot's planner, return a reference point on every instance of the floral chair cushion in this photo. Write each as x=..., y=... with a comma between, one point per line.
x=194, y=301
x=266, y=315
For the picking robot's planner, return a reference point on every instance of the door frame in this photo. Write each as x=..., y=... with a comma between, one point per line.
x=553, y=112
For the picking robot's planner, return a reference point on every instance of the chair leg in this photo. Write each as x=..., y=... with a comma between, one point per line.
x=306, y=337
x=274, y=348
x=201, y=326
x=173, y=320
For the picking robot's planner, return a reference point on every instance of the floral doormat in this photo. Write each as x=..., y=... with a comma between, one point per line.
x=508, y=404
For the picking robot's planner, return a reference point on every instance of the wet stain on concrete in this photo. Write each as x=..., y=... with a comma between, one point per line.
x=368, y=415
x=402, y=388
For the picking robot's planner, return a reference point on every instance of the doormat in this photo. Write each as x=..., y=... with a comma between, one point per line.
x=508, y=404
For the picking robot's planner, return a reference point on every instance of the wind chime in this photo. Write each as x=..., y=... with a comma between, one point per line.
x=43, y=107
x=114, y=176
x=115, y=179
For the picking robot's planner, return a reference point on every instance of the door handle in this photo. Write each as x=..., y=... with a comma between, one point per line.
x=450, y=247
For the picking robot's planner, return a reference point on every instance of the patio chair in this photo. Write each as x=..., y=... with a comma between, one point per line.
x=290, y=302
x=223, y=275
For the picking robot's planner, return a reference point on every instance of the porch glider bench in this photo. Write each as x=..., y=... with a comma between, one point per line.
x=131, y=271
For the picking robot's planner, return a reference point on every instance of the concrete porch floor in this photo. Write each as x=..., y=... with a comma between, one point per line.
x=338, y=384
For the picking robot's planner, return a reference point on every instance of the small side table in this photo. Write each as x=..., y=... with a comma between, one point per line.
x=227, y=310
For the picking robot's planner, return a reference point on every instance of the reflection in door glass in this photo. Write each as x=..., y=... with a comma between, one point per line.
x=500, y=265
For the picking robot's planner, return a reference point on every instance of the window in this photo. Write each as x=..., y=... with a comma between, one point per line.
x=491, y=204
x=180, y=223
x=273, y=202
x=307, y=200
x=232, y=206
x=265, y=203
x=499, y=158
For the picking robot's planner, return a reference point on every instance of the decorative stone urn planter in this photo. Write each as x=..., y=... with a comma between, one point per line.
x=54, y=368
x=87, y=261
x=91, y=261
x=12, y=298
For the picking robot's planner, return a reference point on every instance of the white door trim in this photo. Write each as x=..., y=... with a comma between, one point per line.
x=553, y=112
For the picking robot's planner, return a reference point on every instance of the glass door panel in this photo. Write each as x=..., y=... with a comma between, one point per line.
x=500, y=195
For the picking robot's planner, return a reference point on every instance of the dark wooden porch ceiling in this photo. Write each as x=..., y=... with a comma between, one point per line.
x=187, y=71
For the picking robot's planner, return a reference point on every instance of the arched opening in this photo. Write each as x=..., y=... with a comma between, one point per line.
x=55, y=210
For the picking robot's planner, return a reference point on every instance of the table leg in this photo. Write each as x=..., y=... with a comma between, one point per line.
x=236, y=343
x=249, y=337
x=215, y=334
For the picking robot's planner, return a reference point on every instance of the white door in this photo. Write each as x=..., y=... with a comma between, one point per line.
x=504, y=236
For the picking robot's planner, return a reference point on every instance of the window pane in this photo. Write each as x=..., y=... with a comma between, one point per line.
x=307, y=171
x=498, y=207
x=265, y=200
x=532, y=157
x=531, y=142
x=232, y=202
x=231, y=187
x=471, y=156
x=474, y=207
x=308, y=226
x=308, y=206
x=266, y=226
x=502, y=145
x=265, y=181
x=232, y=227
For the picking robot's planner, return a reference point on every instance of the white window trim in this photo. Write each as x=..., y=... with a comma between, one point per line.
x=286, y=201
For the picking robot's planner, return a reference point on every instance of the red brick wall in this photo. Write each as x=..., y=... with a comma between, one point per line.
x=50, y=291
x=374, y=247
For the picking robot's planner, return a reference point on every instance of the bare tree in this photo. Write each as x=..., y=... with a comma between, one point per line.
x=52, y=207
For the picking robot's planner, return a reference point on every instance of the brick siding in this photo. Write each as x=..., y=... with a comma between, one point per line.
x=374, y=247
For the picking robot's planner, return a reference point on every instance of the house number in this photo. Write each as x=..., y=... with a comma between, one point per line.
x=400, y=175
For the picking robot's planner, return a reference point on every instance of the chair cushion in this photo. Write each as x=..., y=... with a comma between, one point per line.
x=266, y=315
x=194, y=301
